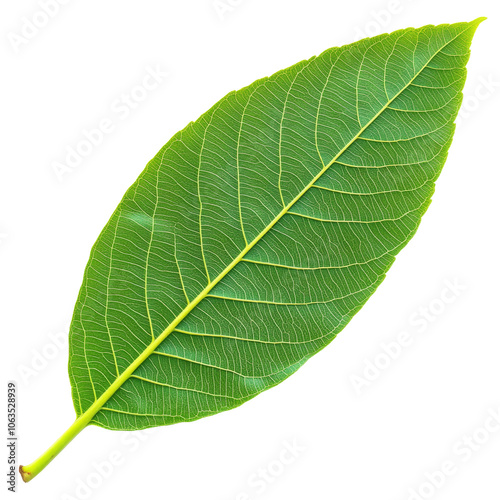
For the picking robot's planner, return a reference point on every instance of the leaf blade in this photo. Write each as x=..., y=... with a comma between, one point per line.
x=236, y=228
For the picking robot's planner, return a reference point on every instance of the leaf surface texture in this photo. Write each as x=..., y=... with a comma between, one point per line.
x=257, y=232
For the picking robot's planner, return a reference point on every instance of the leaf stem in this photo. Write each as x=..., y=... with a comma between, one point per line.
x=28, y=472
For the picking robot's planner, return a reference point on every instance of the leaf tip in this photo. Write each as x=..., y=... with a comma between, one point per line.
x=478, y=21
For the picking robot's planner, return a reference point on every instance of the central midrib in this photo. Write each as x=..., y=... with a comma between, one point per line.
x=99, y=402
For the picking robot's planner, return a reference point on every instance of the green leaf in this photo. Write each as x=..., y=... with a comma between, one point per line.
x=257, y=232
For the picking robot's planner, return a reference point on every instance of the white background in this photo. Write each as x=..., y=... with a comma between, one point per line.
x=376, y=443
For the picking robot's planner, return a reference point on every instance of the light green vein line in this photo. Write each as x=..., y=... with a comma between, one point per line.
x=145, y=415
x=357, y=83
x=444, y=69
x=74, y=386
x=270, y=302
x=107, y=294
x=187, y=389
x=387, y=60
x=215, y=366
x=281, y=127
x=244, y=339
x=454, y=98
x=406, y=139
x=85, y=332
x=151, y=414
x=374, y=193
x=319, y=109
x=456, y=55
x=149, y=251
x=459, y=81
x=337, y=221
x=238, y=161
x=419, y=163
x=179, y=268
x=299, y=268
x=199, y=192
